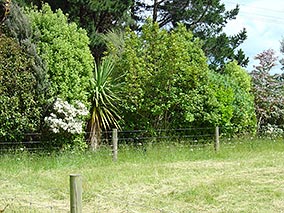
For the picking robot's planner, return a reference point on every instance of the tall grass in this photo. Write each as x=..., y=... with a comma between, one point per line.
x=245, y=176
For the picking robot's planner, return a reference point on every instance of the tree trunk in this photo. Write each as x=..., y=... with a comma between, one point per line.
x=94, y=137
x=155, y=11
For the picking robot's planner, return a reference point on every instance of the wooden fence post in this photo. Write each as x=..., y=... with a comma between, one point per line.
x=75, y=193
x=217, y=141
x=114, y=145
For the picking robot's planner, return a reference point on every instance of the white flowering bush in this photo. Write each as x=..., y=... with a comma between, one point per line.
x=273, y=131
x=67, y=118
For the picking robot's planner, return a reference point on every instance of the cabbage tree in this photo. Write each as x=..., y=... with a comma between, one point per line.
x=105, y=98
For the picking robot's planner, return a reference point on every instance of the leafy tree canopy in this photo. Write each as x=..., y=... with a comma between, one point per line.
x=206, y=19
x=239, y=75
x=165, y=77
x=97, y=17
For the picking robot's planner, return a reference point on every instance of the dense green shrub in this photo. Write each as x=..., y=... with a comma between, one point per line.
x=64, y=48
x=244, y=111
x=19, y=27
x=224, y=97
x=19, y=108
x=235, y=102
x=168, y=83
x=165, y=78
x=69, y=65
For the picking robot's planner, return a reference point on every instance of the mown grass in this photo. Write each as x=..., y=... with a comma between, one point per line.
x=247, y=176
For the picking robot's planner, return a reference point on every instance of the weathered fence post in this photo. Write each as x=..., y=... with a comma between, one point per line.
x=114, y=145
x=75, y=193
x=217, y=141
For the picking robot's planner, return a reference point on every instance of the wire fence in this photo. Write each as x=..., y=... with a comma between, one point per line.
x=195, y=137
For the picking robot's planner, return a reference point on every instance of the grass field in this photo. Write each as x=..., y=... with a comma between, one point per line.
x=243, y=177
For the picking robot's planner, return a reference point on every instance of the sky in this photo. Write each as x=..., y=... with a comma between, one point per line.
x=264, y=22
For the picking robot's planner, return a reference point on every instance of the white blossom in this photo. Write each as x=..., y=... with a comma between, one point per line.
x=66, y=117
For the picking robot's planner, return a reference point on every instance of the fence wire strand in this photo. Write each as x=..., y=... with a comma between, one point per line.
x=199, y=140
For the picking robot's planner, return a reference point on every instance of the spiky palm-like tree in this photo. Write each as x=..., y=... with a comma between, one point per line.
x=105, y=98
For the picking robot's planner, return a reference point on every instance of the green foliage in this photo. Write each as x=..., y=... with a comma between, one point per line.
x=206, y=19
x=240, y=76
x=19, y=108
x=64, y=48
x=176, y=179
x=235, y=103
x=97, y=17
x=114, y=40
x=244, y=111
x=18, y=26
x=105, y=98
x=165, y=77
x=224, y=98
